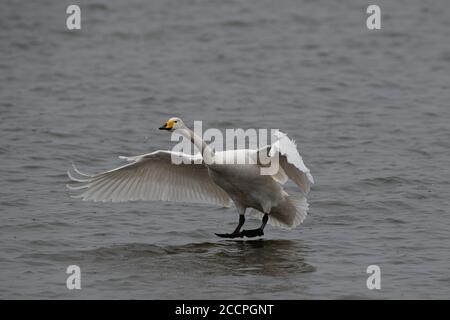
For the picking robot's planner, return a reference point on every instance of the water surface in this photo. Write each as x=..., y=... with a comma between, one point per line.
x=369, y=110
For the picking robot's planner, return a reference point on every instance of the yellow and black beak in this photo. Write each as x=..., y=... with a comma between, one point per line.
x=164, y=127
x=167, y=126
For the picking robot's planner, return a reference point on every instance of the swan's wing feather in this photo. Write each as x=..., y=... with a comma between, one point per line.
x=153, y=176
x=290, y=161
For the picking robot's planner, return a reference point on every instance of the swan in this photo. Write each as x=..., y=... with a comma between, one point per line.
x=206, y=178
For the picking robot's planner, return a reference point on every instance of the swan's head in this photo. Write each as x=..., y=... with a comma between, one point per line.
x=172, y=124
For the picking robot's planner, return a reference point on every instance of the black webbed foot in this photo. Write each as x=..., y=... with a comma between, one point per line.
x=253, y=233
x=230, y=235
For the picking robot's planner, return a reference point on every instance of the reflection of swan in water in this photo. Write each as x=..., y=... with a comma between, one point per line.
x=258, y=269
x=259, y=257
x=267, y=257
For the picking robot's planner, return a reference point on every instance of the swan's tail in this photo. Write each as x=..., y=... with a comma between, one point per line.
x=288, y=214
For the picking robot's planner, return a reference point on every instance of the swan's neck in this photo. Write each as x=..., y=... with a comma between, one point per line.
x=206, y=151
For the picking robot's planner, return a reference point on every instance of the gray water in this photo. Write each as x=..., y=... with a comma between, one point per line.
x=369, y=109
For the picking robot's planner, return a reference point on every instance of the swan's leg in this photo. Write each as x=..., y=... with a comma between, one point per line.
x=240, y=224
x=237, y=232
x=256, y=232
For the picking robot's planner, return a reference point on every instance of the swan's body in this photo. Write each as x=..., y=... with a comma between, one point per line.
x=209, y=178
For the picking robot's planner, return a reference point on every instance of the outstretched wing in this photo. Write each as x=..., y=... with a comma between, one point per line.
x=152, y=176
x=290, y=162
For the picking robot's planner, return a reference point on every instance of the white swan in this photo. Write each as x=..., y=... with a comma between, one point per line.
x=154, y=176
